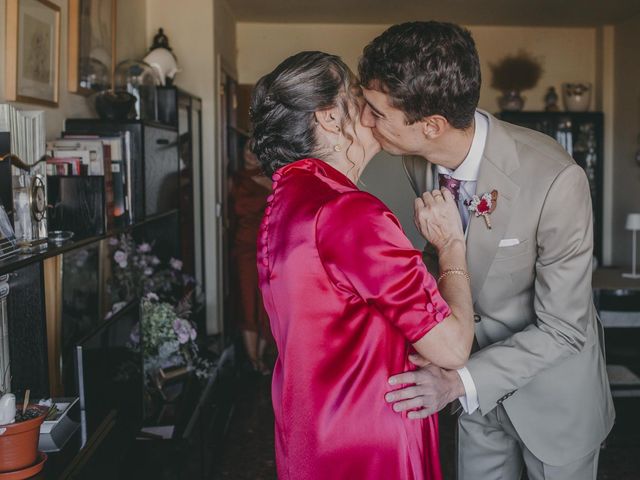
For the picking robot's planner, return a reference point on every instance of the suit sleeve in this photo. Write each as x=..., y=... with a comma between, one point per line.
x=364, y=251
x=562, y=296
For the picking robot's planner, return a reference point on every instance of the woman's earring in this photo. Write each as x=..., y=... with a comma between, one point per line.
x=337, y=147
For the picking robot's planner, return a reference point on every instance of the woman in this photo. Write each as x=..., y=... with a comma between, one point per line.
x=249, y=192
x=346, y=293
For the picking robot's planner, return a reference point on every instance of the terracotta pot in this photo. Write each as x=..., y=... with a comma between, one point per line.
x=19, y=442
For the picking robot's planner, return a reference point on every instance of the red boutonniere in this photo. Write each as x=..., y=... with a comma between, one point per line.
x=484, y=205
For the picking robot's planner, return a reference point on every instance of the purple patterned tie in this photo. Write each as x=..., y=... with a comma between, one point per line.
x=450, y=184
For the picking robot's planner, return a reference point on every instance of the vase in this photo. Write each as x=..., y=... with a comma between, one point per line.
x=576, y=96
x=19, y=442
x=511, y=101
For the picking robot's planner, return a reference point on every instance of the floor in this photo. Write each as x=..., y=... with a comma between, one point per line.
x=249, y=446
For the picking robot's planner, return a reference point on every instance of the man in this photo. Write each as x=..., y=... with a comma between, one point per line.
x=534, y=391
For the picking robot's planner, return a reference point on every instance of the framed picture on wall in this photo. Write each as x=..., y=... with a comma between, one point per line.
x=92, y=45
x=33, y=51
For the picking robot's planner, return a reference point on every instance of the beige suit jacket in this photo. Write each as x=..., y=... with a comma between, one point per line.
x=540, y=352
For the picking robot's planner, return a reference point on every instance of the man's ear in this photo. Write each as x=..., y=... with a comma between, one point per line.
x=433, y=126
x=329, y=119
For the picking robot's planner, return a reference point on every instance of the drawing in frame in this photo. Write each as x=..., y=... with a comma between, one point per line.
x=92, y=45
x=33, y=52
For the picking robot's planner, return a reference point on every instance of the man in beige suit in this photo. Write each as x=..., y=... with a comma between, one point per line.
x=534, y=392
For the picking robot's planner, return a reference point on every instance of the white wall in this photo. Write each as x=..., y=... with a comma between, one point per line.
x=130, y=42
x=196, y=60
x=202, y=35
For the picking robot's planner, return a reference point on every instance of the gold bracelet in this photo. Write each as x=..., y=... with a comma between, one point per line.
x=453, y=271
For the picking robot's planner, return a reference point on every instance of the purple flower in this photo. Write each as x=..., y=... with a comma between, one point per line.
x=120, y=257
x=113, y=241
x=144, y=248
x=175, y=264
x=182, y=330
x=123, y=265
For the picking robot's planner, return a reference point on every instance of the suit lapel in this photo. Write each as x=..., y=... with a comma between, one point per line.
x=498, y=162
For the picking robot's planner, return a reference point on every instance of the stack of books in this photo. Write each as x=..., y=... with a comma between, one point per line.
x=28, y=135
x=95, y=155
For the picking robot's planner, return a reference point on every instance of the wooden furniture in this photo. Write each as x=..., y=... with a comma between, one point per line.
x=59, y=293
x=616, y=298
x=618, y=302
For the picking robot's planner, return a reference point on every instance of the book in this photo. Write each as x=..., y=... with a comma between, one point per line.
x=109, y=196
x=114, y=145
x=70, y=147
x=64, y=166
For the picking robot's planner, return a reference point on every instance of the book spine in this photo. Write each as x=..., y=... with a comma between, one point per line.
x=108, y=187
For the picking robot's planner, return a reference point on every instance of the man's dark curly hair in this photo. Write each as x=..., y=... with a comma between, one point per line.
x=427, y=68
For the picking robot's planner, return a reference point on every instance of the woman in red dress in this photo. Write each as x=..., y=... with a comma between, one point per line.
x=348, y=297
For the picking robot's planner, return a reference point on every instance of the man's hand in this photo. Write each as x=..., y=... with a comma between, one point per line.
x=433, y=389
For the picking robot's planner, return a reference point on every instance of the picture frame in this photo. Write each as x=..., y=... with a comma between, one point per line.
x=92, y=45
x=33, y=52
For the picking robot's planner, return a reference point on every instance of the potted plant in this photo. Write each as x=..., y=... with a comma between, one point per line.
x=513, y=74
x=19, y=433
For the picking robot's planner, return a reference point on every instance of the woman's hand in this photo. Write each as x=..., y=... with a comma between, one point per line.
x=437, y=218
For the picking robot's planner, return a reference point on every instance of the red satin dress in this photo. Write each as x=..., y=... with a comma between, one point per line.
x=346, y=295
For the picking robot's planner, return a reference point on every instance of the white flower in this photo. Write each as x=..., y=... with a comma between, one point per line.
x=152, y=296
x=113, y=241
x=175, y=264
x=118, y=306
x=155, y=261
x=120, y=257
x=148, y=271
x=144, y=248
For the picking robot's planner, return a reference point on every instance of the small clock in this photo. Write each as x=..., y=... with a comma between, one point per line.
x=38, y=198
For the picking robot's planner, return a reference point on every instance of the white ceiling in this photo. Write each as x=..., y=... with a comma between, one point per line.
x=573, y=13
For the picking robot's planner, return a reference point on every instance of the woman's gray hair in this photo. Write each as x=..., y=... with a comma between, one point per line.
x=284, y=103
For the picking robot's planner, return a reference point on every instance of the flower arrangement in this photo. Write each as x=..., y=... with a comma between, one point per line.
x=168, y=336
x=516, y=72
x=137, y=271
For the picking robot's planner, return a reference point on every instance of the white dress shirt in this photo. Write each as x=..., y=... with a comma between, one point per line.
x=467, y=172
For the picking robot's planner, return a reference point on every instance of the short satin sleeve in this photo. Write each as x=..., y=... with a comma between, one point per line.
x=363, y=248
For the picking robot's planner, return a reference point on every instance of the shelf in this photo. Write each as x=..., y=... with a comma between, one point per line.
x=48, y=250
x=110, y=124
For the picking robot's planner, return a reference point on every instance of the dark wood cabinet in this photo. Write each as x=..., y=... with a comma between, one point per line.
x=59, y=293
x=581, y=134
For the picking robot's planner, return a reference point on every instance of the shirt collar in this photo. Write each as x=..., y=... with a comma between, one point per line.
x=470, y=167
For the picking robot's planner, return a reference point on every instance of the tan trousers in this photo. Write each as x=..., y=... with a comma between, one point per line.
x=489, y=448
